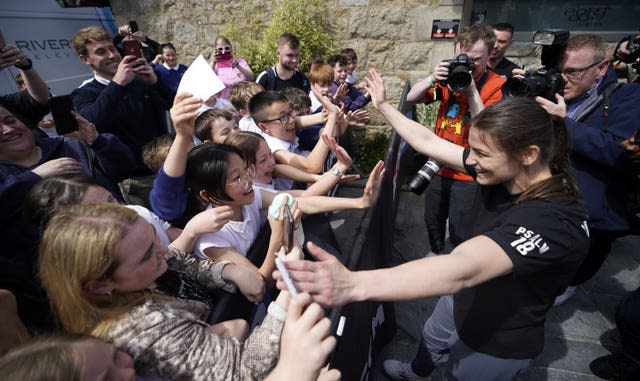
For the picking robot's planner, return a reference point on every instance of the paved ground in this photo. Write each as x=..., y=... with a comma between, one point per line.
x=574, y=331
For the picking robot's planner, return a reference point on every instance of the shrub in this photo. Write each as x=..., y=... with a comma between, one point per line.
x=307, y=19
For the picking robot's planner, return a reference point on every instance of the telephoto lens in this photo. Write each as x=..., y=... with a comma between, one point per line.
x=423, y=177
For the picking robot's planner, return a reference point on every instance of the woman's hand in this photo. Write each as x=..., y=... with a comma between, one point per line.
x=375, y=87
x=372, y=189
x=184, y=113
x=327, y=280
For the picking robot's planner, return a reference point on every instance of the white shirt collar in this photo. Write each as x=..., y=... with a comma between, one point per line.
x=101, y=80
x=169, y=67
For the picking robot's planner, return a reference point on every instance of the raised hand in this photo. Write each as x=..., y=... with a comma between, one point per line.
x=86, y=130
x=375, y=87
x=184, y=113
x=372, y=188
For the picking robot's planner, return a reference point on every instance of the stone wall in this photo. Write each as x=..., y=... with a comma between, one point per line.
x=392, y=36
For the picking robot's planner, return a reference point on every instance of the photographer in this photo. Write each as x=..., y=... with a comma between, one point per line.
x=528, y=239
x=450, y=194
x=600, y=113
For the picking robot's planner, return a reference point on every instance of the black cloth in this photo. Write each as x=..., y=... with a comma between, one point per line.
x=135, y=113
x=546, y=240
x=505, y=67
x=270, y=80
x=29, y=111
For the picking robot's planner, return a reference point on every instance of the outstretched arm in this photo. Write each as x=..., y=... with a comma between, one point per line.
x=420, y=138
x=331, y=284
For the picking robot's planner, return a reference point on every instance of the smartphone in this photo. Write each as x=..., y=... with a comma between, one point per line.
x=133, y=26
x=288, y=222
x=2, y=41
x=224, y=59
x=286, y=277
x=131, y=48
x=61, y=107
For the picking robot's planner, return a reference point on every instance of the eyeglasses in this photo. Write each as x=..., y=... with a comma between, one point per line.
x=245, y=178
x=578, y=72
x=224, y=48
x=284, y=119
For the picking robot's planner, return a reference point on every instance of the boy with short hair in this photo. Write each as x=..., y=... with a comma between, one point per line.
x=213, y=126
x=352, y=62
x=239, y=96
x=273, y=114
x=352, y=98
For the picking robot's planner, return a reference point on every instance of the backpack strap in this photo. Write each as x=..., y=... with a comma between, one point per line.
x=271, y=78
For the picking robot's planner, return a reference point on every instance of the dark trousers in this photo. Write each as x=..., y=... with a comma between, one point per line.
x=599, y=248
x=447, y=198
x=628, y=322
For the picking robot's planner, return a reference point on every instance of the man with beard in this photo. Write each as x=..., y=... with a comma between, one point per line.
x=285, y=73
x=125, y=97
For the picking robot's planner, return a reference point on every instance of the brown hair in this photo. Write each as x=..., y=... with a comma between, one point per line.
x=298, y=99
x=288, y=39
x=591, y=41
x=205, y=121
x=155, y=152
x=469, y=35
x=321, y=73
x=88, y=35
x=246, y=141
x=349, y=54
x=241, y=93
x=518, y=123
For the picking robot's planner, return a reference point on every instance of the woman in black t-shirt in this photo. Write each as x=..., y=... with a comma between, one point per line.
x=527, y=237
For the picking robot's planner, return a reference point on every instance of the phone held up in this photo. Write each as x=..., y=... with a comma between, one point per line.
x=224, y=59
x=61, y=107
x=132, y=48
x=133, y=26
x=288, y=221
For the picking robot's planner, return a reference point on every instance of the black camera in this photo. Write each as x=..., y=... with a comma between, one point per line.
x=423, y=177
x=459, y=72
x=546, y=81
x=633, y=46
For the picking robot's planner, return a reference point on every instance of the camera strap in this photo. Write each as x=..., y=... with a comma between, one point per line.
x=592, y=103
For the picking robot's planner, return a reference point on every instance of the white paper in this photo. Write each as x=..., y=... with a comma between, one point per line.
x=200, y=80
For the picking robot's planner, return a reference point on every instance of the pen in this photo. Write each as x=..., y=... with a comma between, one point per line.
x=286, y=277
x=339, y=332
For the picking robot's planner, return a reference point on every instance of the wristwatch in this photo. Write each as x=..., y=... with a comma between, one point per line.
x=26, y=66
x=336, y=171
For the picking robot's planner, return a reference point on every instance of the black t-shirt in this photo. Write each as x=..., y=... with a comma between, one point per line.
x=546, y=240
x=271, y=81
x=505, y=67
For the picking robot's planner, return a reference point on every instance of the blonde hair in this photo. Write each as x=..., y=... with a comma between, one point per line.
x=241, y=93
x=88, y=35
x=55, y=358
x=248, y=142
x=80, y=245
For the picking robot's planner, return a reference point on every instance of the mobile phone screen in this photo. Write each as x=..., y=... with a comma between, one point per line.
x=133, y=26
x=61, y=107
x=131, y=48
x=288, y=221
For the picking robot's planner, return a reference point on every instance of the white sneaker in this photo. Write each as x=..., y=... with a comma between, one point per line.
x=566, y=295
x=398, y=370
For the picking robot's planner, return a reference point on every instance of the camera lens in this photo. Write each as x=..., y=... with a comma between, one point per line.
x=423, y=177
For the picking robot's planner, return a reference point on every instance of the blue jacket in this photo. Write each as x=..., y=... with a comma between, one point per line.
x=135, y=113
x=601, y=168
